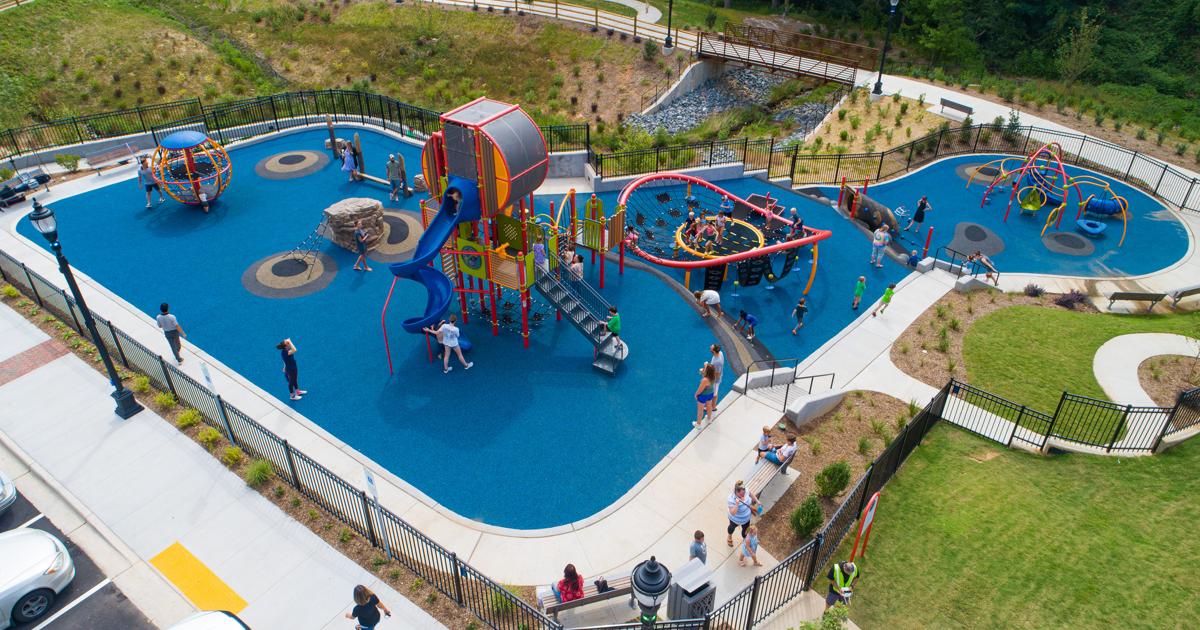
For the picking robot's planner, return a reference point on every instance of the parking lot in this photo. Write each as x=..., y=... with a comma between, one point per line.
x=92, y=601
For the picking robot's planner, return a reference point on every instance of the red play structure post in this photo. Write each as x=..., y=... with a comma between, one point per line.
x=462, y=297
x=191, y=169
x=928, y=239
x=866, y=182
x=841, y=191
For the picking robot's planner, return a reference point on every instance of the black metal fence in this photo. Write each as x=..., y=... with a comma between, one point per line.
x=958, y=403
x=806, y=168
x=1079, y=420
x=237, y=120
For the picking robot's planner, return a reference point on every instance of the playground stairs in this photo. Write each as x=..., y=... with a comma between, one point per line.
x=587, y=311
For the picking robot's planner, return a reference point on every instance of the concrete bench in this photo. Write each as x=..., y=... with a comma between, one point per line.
x=764, y=471
x=1133, y=296
x=966, y=109
x=619, y=584
x=1180, y=294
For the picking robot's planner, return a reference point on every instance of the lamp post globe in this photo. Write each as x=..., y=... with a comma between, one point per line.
x=651, y=581
x=887, y=38
x=44, y=222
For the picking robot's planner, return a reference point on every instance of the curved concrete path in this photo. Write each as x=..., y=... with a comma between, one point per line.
x=1116, y=363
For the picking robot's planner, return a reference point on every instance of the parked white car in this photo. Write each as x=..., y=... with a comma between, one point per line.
x=211, y=620
x=36, y=567
x=8, y=492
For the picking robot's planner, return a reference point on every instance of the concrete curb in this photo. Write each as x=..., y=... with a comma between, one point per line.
x=148, y=590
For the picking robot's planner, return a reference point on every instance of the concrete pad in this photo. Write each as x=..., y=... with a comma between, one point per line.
x=17, y=333
x=531, y=560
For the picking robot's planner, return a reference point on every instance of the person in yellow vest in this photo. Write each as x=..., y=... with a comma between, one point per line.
x=841, y=581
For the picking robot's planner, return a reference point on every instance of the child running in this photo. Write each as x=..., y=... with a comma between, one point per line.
x=798, y=313
x=885, y=300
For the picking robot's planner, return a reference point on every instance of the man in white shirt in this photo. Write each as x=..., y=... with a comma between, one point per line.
x=171, y=330
x=708, y=299
x=447, y=334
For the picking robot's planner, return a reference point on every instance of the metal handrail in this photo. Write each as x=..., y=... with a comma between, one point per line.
x=961, y=269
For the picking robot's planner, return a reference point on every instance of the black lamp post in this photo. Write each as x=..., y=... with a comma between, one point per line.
x=887, y=39
x=670, y=9
x=43, y=219
x=650, y=583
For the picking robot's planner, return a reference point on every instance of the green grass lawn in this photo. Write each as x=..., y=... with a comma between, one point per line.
x=1030, y=355
x=604, y=5
x=1025, y=541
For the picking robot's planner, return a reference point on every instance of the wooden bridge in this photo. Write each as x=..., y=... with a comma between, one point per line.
x=789, y=52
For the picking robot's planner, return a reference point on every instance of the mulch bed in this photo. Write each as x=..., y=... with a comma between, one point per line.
x=856, y=430
x=923, y=352
x=1165, y=377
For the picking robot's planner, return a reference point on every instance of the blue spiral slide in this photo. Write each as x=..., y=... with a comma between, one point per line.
x=441, y=292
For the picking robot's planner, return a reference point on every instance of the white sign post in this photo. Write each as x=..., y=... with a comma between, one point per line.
x=217, y=397
x=371, y=488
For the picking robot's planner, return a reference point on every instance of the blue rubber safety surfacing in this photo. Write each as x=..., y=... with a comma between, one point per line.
x=527, y=438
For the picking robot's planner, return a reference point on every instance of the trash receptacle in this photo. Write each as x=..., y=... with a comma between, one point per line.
x=692, y=594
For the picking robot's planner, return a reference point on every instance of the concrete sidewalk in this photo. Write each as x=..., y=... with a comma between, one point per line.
x=157, y=490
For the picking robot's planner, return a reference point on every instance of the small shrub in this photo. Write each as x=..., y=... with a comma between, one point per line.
x=1181, y=148
x=208, y=437
x=1033, y=290
x=815, y=447
x=378, y=561
x=855, y=121
x=807, y=517
x=844, y=136
x=345, y=535
x=879, y=428
x=864, y=446
x=68, y=161
x=259, y=472
x=416, y=585
x=279, y=491
x=431, y=598
x=955, y=325
x=649, y=50
x=188, y=418
x=903, y=347
x=913, y=407
x=833, y=479
x=951, y=364
x=295, y=502
x=901, y=422
x=710, y=18
x=1071, y=299
x=232, y=456
x=165, y=401
x=940, y=311
x=141, y=384
x=394, y=574
x=11, y=292
x=312, y=514
x=842, y=114
x=500, y=603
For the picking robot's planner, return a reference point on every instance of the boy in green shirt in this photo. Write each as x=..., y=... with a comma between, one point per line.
x=885, y=300
x=614, y=323
x=860, y=287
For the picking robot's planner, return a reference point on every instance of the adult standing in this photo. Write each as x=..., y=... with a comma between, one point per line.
x=841, y=582
x=709, y=301
x=718, y=362
x=366, y=608
x=397, y=177
x=287, y=351
x=918, y=216
x=360, y=241
x=879, y=240
x=739, y=508
x=171, y=330
x=447, y=334
x=704, y=396
x=145, y=177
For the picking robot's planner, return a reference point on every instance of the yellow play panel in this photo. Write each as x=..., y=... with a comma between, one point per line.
x=196, y=581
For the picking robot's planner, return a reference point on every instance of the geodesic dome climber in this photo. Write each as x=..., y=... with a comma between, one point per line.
x=191, y=167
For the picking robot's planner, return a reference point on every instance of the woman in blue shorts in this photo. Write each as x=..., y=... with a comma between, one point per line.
x=705, y=394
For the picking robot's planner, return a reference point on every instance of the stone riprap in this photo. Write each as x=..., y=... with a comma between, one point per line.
x=736, y=88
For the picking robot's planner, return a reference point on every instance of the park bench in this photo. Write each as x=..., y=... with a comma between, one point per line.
x=619, y=584
x=1178, y=295
x=966, y=109
x=123, y=153
x=764, y=471
x=1134, y=296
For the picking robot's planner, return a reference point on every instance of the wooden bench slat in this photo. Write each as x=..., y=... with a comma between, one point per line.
x=966, y=109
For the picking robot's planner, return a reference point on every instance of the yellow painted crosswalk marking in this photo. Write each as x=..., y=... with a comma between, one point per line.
x=196, y=581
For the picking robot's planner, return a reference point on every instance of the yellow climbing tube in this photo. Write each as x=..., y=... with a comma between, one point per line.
x=1051, y=217
x=812, y=275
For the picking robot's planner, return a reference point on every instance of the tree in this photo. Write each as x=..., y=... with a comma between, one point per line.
x=1077, y=53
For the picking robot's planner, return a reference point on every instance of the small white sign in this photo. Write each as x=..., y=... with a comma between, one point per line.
x=207, y=377
x=371, y=484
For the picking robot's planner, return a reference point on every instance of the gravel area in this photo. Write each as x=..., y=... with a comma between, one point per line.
x=806, y=117
x=736, y=88
x=1165, y=377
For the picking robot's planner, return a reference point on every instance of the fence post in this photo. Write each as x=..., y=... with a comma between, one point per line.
x=1167, y=425
x=458, y=597
x=1079, y=156
x=1188, y=195
x=229, y=426
x=712, y=146
x=274, y=112
x=837, y=168
x=291, y=462
x=745, y=151
x=1120, y=425
x=770, y=157
x=1028, y=137
x=938, y=146
x=792, y=170
x=1016, y=425
x=862, y=503
x=70, y=310
x=78, y=131
x=167, y=376
x=1054, y=419
x=812, y=567
x=879, y=171
x=142, y=119
x=362, y=494
x=753, y=602
x=1132, y=160
x=304, y=108
x=37, y=296
x=1160, y=178
x=362, y=117
x=978, y=132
